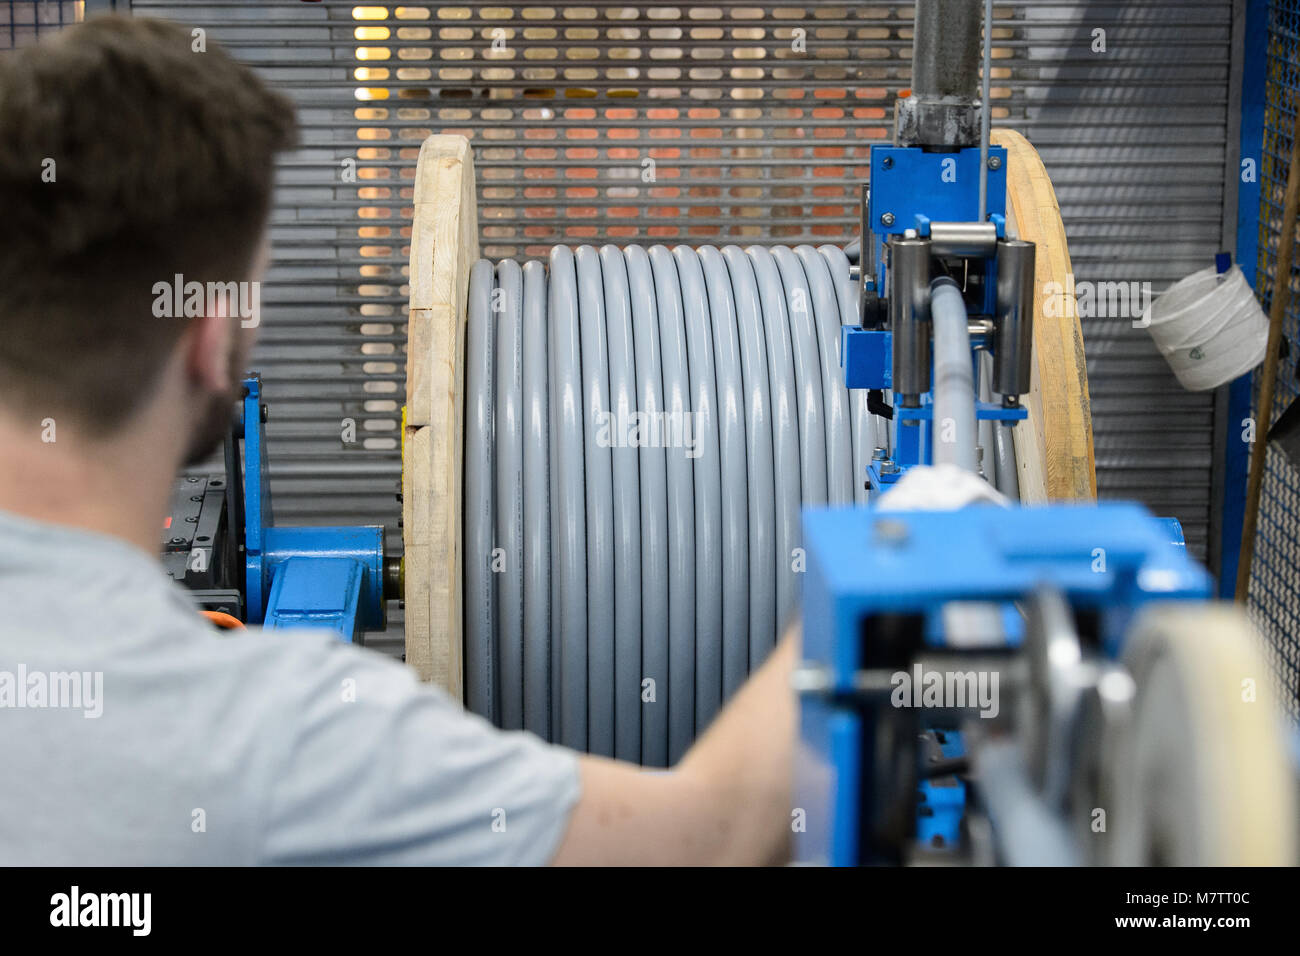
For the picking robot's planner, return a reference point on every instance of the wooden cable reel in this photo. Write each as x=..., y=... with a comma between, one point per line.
x=1053, y=447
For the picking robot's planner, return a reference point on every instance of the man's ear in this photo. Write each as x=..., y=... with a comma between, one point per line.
x=207, y=350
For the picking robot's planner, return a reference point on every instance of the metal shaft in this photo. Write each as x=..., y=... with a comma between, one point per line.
x=909, y=317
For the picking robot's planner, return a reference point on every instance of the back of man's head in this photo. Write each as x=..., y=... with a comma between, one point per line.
x=129, y=155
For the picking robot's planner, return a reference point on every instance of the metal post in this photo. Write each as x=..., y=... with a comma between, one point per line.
x=1013, y=321
x=909, y=317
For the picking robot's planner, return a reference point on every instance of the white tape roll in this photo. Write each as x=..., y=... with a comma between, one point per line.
x=1209, y=327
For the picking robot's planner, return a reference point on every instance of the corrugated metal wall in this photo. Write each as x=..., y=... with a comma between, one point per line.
x=757, y=120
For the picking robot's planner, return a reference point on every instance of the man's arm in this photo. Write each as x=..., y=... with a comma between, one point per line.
x=726, y=802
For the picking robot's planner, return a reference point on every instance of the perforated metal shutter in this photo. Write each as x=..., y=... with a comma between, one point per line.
x=757, y=119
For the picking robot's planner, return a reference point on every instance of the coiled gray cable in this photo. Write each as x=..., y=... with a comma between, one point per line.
x=643, y=427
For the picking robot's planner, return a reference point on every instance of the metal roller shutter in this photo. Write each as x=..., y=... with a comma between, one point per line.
x=757, y=119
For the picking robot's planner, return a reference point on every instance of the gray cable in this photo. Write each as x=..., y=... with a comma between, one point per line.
x=652, y=746
x=826, y=315
x=708, y=487
x=808, y=376
x=626, y=437
x=758, y=451
x=478, y=530
x=507, y=309
x=732, y=442
x=954, y=387
x=642, y=430
x=984, y=388
x=1004, y=452
x=598, y=476
x=678, y=698
x=537, y=506
x=860, y=419
x=787, y=462
x=569, y=543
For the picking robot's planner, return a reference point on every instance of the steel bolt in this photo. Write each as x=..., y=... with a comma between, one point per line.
x=887, y=219
x=995, y=162
x=890, y=532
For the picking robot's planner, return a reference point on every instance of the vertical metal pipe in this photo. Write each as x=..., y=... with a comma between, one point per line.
x=1013, y=320
x=985, y=110
x=909, y=317
x=945, y=54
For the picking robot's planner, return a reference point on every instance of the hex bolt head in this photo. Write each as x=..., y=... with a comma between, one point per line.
x=890, y=532
x=887, y=219
x=995, y=162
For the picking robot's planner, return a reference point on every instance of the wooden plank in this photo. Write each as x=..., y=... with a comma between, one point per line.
x=1054, y=446
x=444, y=245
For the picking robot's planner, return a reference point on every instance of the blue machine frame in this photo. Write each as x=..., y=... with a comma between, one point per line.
x=329, y=577
x=864, y=562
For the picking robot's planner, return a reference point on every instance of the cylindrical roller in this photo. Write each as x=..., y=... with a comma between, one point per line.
x=966, y=239
x=909, y=317
x=1013, y=321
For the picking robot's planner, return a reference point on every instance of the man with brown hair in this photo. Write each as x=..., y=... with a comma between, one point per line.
x=131, y=732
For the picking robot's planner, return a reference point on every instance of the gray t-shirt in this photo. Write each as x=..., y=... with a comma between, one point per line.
x=133, y=733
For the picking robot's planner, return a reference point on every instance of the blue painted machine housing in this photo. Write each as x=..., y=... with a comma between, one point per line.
x=1108, y=558
x=323, y=577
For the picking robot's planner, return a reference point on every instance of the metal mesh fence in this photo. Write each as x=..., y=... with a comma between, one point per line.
x=1275, y=572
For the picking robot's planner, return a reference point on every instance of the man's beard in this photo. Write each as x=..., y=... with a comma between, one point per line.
x=218, y=417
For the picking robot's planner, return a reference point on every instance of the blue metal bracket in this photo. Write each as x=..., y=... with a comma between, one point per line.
x=909, y=185
x=298, y=577
x=866, y=357
x=317, y=592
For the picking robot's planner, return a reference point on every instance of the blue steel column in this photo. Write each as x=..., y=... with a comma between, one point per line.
x=1236, y=451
